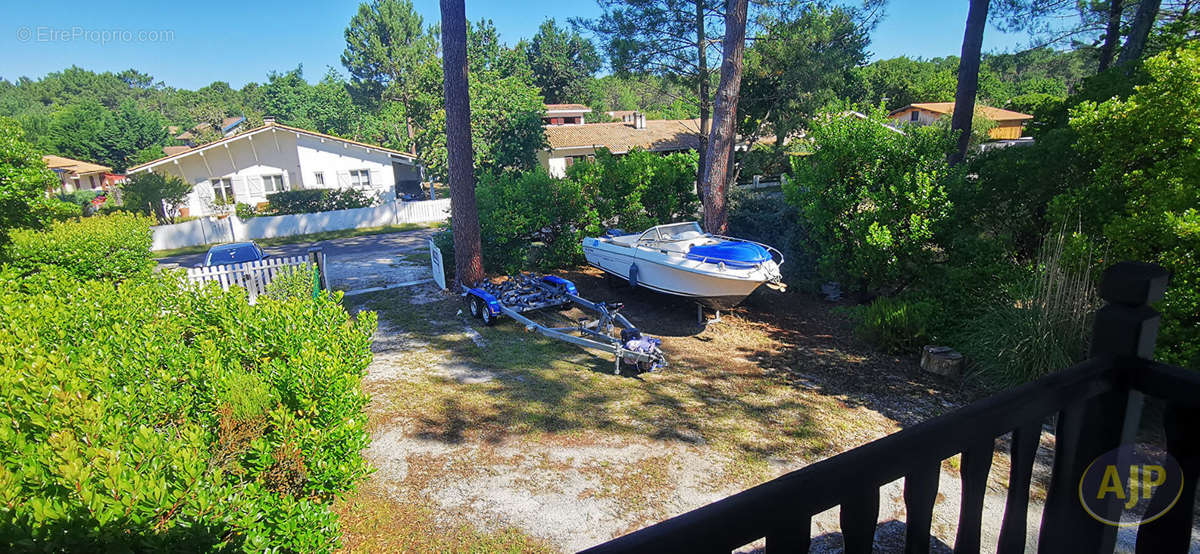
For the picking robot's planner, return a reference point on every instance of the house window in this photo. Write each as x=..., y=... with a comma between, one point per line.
x=913, y=116
x=320, y=177
x=223, y=190
x=273, y=183
x=360, y=178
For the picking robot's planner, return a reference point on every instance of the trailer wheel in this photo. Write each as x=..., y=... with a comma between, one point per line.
x=475, y=305
x=486, y=315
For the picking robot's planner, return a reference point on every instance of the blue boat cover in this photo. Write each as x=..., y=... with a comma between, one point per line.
x=734, y=254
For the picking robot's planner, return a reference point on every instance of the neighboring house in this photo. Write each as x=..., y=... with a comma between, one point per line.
x=248, y=166
x=76, y=175
x=229, y=127
x=571, y=143
x=1009, y=124
x=565, y=114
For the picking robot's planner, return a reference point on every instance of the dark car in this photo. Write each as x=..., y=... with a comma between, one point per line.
x=234, y=253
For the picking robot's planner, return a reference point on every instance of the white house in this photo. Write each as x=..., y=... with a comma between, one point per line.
x=246, y=167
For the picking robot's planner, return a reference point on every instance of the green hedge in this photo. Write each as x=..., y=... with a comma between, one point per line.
x=316, y=200
x=104, y=247
x=140, y=417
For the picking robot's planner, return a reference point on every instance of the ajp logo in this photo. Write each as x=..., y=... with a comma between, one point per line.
x=1129, y=486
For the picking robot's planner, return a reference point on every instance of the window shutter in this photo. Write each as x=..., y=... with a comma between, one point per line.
x=376, y=178
x=254, y=184
x=343, y=179
x=287, y=184
x=240, y=192
x=205, y=191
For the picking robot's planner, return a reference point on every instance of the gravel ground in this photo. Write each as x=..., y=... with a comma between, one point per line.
x=573, y=489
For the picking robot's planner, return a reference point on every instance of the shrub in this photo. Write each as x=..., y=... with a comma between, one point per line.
x=895, y=325
x=54, y=209
x=518, y=210
x=103, y=247
x=154, y=194
x=1142, y=201
x=244, y=211
x=872, y=199
x=317, y=200
x=138, y=417
x=292, y=284
x=636, y=191
x=24, y=180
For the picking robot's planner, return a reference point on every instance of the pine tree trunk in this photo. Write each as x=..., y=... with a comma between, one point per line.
x=1147, y=12
x=702, y=91
x=468, y=260
x=720, y=144
x=1112, y=33
x=968, y=77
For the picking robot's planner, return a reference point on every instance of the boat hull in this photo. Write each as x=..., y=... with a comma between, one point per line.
x=670, y=273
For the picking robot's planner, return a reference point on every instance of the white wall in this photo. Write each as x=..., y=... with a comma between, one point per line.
x=555, y=161
x=211, y=230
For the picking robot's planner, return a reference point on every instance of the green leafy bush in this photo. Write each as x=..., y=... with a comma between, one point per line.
x=102, y=247
x=142, y=417
x=159, y=195
x=244, y=211
x=24, y=180
x=895, y=325
x=872, y=199
x=637, y=190
x=54, y=209
x=317, y=200
x=292, y=283
x=520, y=210
x=1142, y=201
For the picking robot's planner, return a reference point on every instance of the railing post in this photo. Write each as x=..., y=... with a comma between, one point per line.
x=1125, y=330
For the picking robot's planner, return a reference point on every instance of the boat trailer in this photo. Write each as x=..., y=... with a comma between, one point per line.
x=525, y=293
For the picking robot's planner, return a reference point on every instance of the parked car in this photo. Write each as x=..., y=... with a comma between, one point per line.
x=234, y=253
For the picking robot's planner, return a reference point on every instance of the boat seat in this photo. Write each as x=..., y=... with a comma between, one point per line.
x=625, y=240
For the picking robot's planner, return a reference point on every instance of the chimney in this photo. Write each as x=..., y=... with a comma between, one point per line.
x=639, y=120
x=268, y=120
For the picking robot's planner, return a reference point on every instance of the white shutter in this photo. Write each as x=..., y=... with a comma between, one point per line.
x=377, y=179
x=287, y=184
x=204, y=190
x=254, y=184
x=240, y=192
x=343, y=179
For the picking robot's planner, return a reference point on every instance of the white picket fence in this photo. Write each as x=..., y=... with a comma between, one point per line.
x=211, y=230
x=252, y=276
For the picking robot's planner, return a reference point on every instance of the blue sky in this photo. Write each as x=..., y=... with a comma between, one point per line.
x=191, y=44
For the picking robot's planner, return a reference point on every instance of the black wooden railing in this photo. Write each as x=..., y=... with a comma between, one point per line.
x=1098, y=405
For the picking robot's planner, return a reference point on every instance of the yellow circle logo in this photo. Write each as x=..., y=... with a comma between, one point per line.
x=1129, y=486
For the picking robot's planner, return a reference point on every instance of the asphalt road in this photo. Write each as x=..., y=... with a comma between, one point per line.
x=368, y=246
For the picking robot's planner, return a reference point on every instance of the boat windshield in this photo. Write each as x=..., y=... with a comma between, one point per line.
x=680, y=231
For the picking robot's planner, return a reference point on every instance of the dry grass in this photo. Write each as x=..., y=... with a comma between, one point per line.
x=773, y=387
x=373, y=522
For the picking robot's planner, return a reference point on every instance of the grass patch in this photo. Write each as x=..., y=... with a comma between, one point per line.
x=372, y=522
x=311, y=237
x=550, y=391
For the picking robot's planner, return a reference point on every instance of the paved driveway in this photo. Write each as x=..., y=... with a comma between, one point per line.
x=356, y=263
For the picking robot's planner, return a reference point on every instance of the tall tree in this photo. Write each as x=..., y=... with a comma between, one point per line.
x=968, y=77
x=669, y=38
x=1135, y=44
x=799, y=65
x=720, y=144
x=386, y=44
x=562, y=62
x=1112, y=33
x=468, y=259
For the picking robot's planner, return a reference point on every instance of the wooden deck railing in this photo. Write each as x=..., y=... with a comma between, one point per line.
x=1097, y=405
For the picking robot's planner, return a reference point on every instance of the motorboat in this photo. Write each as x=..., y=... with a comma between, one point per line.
x=681, y=259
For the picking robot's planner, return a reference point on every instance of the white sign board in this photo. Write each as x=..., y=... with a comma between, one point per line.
x=435, y=259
